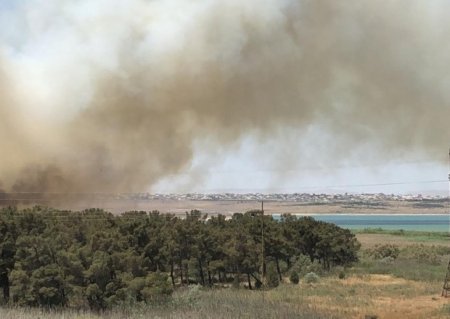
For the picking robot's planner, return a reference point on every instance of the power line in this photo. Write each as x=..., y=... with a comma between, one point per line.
x=446, y=286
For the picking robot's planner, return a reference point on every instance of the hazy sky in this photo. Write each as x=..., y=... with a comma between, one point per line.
x=215, y=96
x=249, y=168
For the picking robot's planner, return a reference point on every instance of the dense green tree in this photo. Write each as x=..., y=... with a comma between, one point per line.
x=243, y=252
x=95, y=259
x=272, y=278
x=8, y=237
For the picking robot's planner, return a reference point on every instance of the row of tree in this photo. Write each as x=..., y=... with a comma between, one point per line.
x=93, y=258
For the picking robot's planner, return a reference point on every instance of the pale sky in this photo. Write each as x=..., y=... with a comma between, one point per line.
x=249, y=168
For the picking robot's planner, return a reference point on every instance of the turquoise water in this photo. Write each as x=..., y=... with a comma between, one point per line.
x=438, y=223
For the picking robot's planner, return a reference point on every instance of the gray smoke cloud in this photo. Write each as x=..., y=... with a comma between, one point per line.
x=109, y=96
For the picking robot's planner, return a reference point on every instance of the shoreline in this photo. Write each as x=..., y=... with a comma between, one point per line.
x=367, y=214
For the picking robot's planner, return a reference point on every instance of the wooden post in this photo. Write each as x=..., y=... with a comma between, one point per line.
x=446, y=286
x=263, y=262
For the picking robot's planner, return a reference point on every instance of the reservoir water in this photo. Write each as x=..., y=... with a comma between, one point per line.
x=438, y=223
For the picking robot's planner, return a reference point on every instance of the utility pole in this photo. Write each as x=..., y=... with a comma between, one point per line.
x=263, y=257
x=263, y=263
x=446, y=286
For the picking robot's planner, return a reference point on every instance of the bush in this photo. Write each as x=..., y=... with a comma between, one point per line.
x=187, y=297
x=425, y=254
x=387, y=260
x=383, y=251
x=427, y=257
x=294, y=278
x=157, y=287
x=316, y=268
x=272, y=276
x=311, y=277
x=301, y=265
x=341, y=275
x=236, y=282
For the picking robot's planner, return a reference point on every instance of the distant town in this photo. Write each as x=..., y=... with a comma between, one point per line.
x=229, y=203
x=291, y=197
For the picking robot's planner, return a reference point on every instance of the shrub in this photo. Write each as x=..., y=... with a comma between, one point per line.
x=294, y=277
x=387, y=260
x=383, y=251
x=157, y=287
x=236, y=282
x=341, y=275
x=425, y=254
x=187, y=297
x=428, y=257
x=316, y=268
x=311, y=277
x=193, y=294
x=302, y=264
x=272, y=276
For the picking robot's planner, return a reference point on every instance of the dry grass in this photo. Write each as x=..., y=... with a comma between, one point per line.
x=370, y=240
x=190, y=304
x=386, y=296
x=382, y=295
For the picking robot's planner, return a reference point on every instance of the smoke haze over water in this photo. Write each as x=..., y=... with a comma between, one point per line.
x=112, y=96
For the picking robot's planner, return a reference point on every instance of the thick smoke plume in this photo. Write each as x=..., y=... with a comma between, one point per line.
x=110, y=95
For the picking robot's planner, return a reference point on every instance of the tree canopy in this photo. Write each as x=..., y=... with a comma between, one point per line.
x=98, y=260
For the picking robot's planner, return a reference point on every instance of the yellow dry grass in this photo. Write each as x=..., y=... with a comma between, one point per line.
x=371, y=240
x=386, y=296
